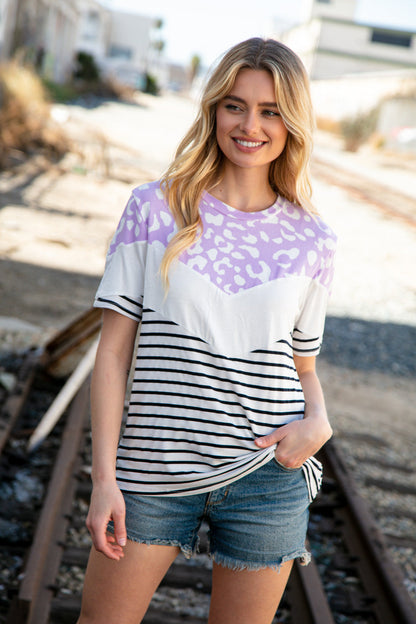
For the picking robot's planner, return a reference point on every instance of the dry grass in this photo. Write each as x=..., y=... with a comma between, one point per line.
x=25, y=123
x=328, y=125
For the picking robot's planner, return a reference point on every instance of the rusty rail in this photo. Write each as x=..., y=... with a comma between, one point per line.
x=381, y=595
x=32, y=605
x=386, y=596
x=16, y=399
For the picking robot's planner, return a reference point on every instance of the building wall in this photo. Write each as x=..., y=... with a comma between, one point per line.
x=354, y=94
x=130, y=38
x=7, y=11
x=46, y=29
x=331, y=48
x=328, y=65
x=340, y=9
x=304, y=40
x=57, y=30
x=52, y=31
x=356, y=39
x=93, y=31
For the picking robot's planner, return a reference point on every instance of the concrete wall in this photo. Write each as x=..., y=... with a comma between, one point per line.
x=59, y=36
x=331, y=47
x=131, y=32
x=93, y=29
x=329, y=65
x=351, y=95
x=356, y=39
x=45, y=28
x=397, y=123
x=341, y=9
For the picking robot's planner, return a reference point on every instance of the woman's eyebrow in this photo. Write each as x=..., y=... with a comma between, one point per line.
x=235, y=98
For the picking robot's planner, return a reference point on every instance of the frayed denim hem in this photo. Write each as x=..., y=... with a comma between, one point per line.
x=187, y=550
x=234, y=564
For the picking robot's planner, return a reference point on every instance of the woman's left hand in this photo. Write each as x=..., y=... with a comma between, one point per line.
x=298, y=440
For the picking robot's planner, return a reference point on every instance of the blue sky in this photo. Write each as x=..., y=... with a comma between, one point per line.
x=208, y=29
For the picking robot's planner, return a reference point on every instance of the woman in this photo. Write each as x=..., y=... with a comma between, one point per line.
x=227, y=268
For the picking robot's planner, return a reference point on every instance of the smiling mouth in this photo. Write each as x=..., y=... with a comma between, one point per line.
x=249, y=143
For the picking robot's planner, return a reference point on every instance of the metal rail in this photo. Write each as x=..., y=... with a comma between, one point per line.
x=392, y=201
x=16, y=399
x=32, y=605
x=386, y=595
x=384, y=598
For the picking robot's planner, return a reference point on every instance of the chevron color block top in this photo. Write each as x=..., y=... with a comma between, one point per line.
x=214, y=366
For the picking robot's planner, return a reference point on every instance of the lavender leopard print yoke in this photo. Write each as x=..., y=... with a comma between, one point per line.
x=214, y=366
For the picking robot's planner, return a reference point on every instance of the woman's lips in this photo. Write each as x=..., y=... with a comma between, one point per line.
x=247, y=145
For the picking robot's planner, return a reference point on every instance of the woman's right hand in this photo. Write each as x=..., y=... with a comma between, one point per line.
x=107, y=503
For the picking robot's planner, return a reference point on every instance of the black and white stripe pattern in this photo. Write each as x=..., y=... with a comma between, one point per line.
x=194, y=414
x=215, y=363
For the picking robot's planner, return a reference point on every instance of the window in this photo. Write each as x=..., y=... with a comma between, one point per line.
x=91, y=26
x=391, y=38
x=121, y=52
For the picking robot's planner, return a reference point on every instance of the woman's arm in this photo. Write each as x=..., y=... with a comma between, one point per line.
x=108, y=389
x=300, y=439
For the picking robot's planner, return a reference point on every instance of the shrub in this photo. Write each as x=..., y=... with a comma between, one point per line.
x=86, y=67
x=150, y=85
x=25, y=124
x=358, y=129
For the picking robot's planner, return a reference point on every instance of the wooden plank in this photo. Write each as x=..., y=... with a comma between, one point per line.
x=63, y=352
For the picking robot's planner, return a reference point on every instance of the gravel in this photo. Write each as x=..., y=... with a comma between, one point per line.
x=367, y=365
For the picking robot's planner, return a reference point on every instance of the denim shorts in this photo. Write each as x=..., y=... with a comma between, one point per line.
x=258, y=521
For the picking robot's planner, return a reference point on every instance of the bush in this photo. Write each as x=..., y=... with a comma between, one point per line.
x=150, y=85
x=60, y=92
x=358, y=129
x=86, y=67
x=25, y=124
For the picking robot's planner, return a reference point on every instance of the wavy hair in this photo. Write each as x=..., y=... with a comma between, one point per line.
x=198, y=161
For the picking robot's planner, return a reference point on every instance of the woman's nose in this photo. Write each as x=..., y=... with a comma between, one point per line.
x=250, y=123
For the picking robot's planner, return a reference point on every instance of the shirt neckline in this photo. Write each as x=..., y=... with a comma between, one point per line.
x=241, y=214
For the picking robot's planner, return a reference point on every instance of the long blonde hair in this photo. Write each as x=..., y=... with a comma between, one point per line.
x=198, y=161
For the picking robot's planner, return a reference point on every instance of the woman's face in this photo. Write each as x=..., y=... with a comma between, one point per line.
x=250, y=130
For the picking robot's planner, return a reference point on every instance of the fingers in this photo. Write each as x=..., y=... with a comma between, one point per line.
x=295, y=441
x=272, y=438
x=104, y=542
x=120, y=528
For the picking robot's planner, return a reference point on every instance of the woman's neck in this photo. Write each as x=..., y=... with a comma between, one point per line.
x=246, y=191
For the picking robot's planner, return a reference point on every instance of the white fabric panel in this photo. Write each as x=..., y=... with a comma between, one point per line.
x=228, y=323
x=311, y=318
x=124, y=272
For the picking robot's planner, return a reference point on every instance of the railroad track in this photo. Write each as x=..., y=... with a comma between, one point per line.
x=394, y=203
x=352, y=577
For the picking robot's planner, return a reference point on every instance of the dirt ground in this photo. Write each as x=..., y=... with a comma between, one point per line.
x=56, y=223
x=55, y=226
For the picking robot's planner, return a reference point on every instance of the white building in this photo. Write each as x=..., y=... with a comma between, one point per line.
x=45, y=28
x=130, y=53
x=53, y=31
x=331, y=43
x=120, y=42
x=93, y=30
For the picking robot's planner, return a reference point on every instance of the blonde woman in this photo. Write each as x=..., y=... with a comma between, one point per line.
x=226, y=268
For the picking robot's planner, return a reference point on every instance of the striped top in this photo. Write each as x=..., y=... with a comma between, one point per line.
x=214, y=366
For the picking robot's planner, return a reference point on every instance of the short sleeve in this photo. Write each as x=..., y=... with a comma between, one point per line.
x=121, y=287
x=309, y=325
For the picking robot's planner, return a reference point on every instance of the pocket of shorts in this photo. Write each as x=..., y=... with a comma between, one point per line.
x=285, y=468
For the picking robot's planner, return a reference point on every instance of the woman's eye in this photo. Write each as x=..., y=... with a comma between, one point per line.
x=271, y=113
x=232, y=107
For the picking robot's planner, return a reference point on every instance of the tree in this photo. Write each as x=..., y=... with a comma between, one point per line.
x=195, y=67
